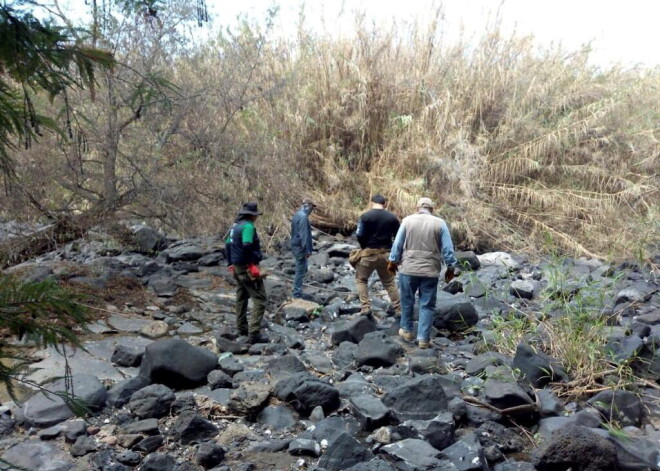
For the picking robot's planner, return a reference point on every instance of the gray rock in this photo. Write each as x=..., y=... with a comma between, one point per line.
x=83, y=446
x=149, y=444
x=454, y=313
x=158, y=462
x=230, y=365
x=163, y=286
x=340, y=250
x=478, y=364
x=354, y=385
x=639, y=292
x=125, y=355
x=74, y=429
x=219, y=379
x=209, y=455
x=537, y=367
x=522, y=289
x=120, y=393
x=106, y=459
x=439, y=431
x=285, y=366
x=503, y=391
x=468, y=260
x=344, y=452
x=182, y=252
x=145, y=427
x=466, y=454
x=152, y=401
x=127, y=457
x=583, y=418
x=377, y=349
x=492, y=434
x=353, y=330
x=277, y=417
x=37, y=455
x=190, y=427
x=416, y=454
x=633, y=452
x=344, y=356
x=177, y=364
x=421, y=398
x=304, y=447
x=149, y=240
x=331, y=428
x=623, y=348
x=577, y=448
x=369, y=410
x=621, y=407
x=374, y=465
x=249, y=399
x=44, y=410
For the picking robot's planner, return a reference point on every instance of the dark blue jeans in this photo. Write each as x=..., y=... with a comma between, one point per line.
x=301, y=270
x=427, y=287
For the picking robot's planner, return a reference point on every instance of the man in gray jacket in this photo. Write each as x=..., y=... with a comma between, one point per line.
x=301, y=243
x=420, y=245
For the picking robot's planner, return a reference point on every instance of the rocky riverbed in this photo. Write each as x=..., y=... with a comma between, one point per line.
x=169, y=386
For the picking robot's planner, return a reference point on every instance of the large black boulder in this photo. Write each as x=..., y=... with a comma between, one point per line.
x=177, y=364
x=421, y=398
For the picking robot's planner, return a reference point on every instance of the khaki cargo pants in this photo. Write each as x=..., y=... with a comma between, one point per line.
x=375, y=259
x=248, y=288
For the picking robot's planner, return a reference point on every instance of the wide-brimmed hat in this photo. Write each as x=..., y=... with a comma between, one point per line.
x=425, y=203
x=250, y=208
x=309, y=201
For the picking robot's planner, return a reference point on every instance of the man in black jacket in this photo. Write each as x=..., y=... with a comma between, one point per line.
x=375, y=232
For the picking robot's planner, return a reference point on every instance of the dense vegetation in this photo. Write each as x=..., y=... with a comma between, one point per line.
x=525, y=148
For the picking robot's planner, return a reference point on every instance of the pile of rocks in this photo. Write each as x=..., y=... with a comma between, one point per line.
x=171, y=387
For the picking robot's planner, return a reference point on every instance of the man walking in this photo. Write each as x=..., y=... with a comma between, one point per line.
x=422, y=242
x=375, y=232
x=243, y=257
x=301, y=243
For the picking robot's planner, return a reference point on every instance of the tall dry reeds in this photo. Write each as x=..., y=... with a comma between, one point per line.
x=523, y=148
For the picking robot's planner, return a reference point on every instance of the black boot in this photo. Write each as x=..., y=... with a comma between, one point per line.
x=257, y=337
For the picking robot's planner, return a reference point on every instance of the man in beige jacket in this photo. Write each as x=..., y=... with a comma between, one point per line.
x=422, y=242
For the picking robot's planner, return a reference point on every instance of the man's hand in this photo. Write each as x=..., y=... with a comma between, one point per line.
x=392, y=267
x=253, y=272
x=449, y=274
x=230, y=268
x=308, y=255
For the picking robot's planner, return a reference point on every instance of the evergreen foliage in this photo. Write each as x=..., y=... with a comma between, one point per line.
x=36, y=56
x=42, y=312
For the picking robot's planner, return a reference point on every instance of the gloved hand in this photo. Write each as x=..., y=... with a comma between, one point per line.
x=449, y=274
x=392, y=267
x=253, y=271
x=230, y=268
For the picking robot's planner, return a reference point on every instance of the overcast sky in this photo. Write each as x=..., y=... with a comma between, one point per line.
x=619, y=31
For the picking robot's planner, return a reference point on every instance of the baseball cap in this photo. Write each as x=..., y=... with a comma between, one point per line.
x=425, y=203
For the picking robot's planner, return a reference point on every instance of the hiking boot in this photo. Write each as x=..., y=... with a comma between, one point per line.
x=242, y=332
x=257, y=338
x=405, y=335
x=424, y=344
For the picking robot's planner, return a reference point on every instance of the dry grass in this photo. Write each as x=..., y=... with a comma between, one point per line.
x=524, y=149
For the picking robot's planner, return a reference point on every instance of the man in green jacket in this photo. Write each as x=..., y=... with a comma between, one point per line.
x=243, y=250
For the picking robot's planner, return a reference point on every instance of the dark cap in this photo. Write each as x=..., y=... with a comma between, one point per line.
x=309, y=201
x=249, y=208
x=378, y=199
